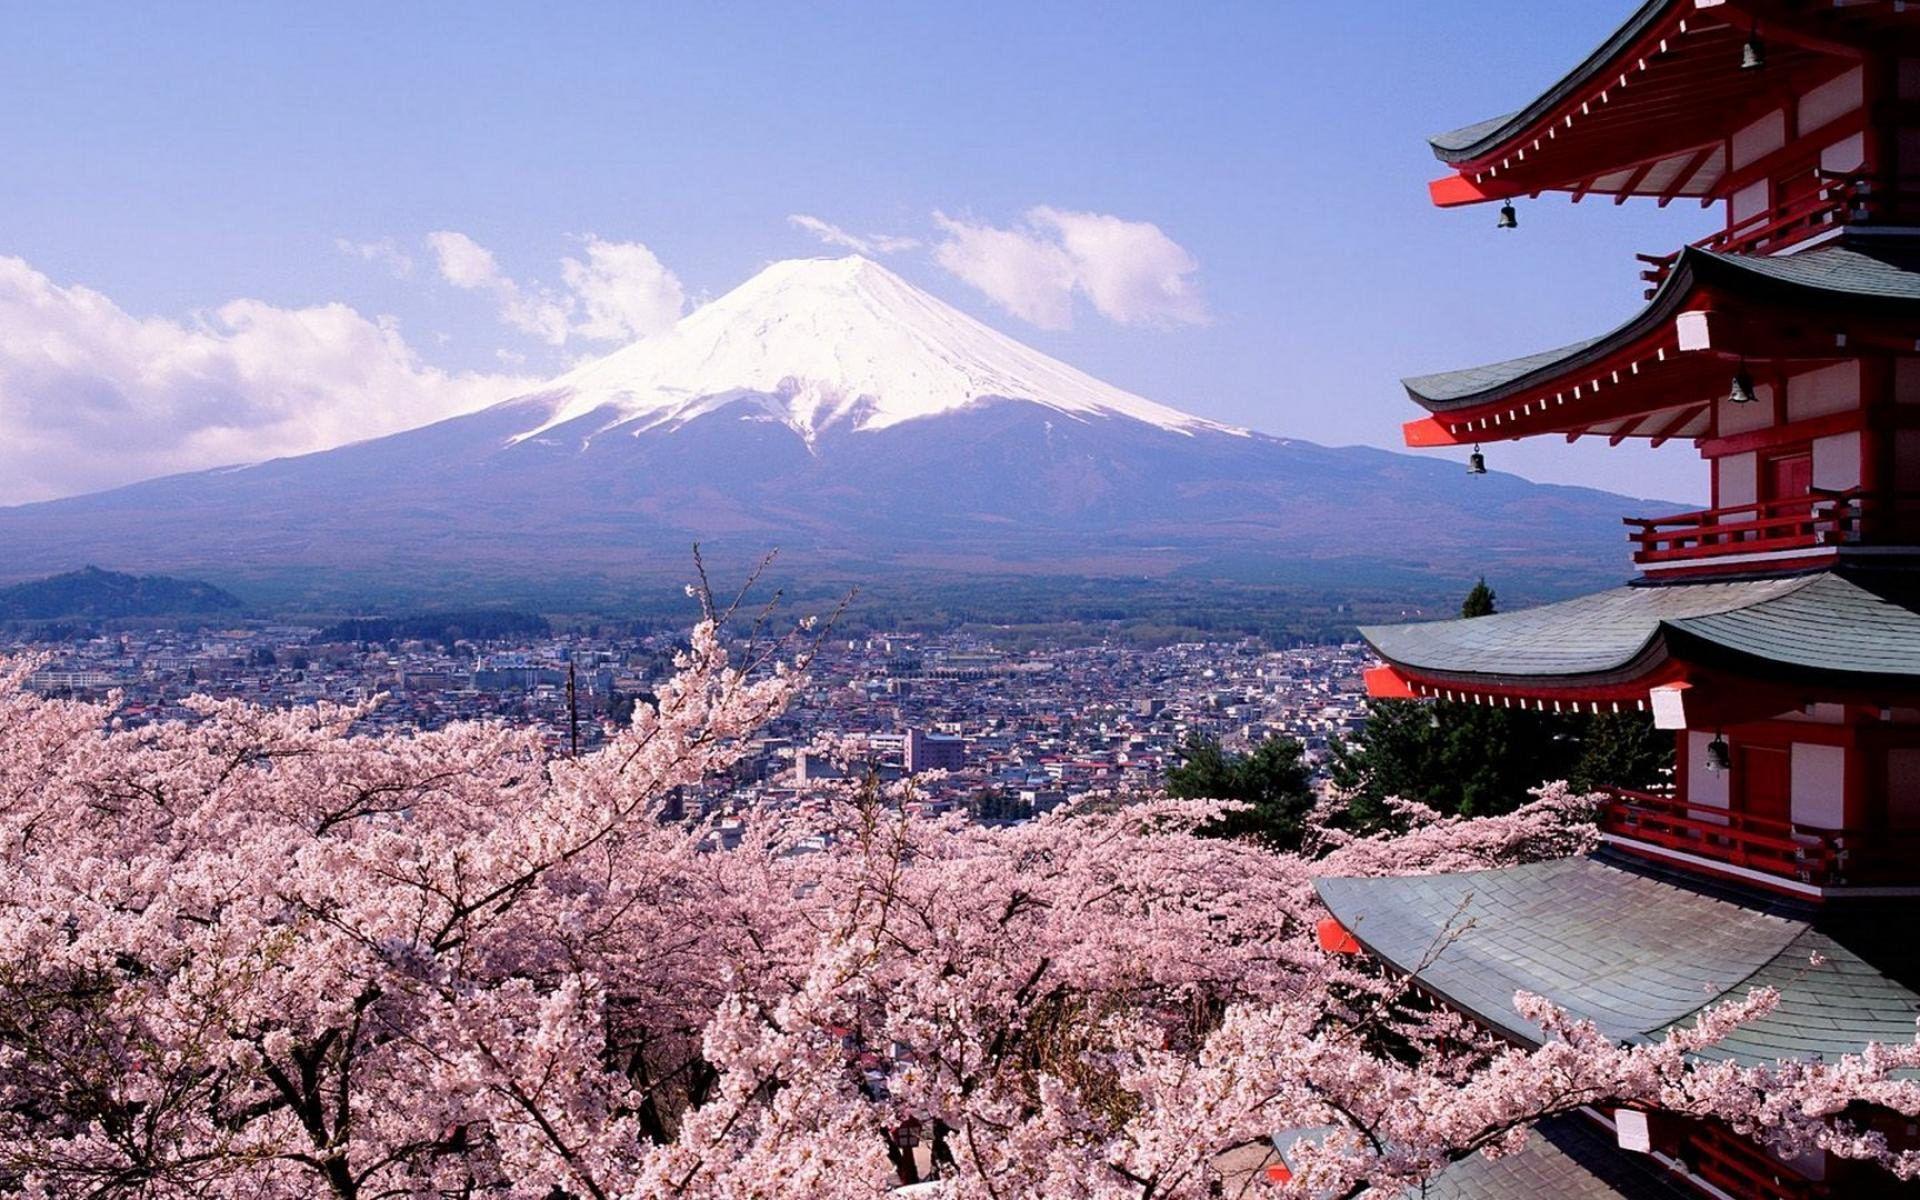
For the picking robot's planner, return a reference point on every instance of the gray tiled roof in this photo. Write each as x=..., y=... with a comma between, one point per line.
x=1885, y=267
x=1565, y=1158
x=1823, y=623
x=1874, y=270
x=1632, y=953
x=1471, y=381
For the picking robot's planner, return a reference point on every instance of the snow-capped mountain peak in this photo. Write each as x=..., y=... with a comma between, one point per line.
x=823, y=341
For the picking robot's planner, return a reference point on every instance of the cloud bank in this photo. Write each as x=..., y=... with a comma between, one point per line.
x=1130, y=271
x=93, y=397
x=619, y=292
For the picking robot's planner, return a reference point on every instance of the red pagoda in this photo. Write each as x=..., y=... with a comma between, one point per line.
x=1776, y=632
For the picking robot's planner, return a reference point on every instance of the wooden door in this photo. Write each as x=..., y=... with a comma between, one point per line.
x=1788, y=477
x=1763, y=783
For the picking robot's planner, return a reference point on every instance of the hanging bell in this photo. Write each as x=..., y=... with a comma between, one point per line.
x=1476, y=462
x=1742, y=391
x=1719, y=758
x=1509, y=217
x=1753, y=55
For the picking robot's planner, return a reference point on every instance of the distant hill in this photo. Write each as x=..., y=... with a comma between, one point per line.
x=476, y=625
x=94, y=593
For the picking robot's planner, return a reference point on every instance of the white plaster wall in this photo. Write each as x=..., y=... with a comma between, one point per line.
x=1705, y=788
x=1816, y=393
x=1836, y=461
x=1764, y=136
x=1737, y=478
x=1845, y=156
x=1749, y=201
x=1819, y=785
x=1817, y=714
x=1835, y=98
x=1745, y=418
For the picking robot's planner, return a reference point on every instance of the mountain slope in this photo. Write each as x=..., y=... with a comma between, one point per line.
x=829, y=409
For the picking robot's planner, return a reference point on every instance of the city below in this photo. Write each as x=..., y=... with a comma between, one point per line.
x=999, y=734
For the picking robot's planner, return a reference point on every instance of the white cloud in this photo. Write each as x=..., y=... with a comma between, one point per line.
x=1130, y=271
x=465, y=263
x=1024, y=274
x=92, y=396
x=833, y=235
x=383, y=251
x=622, y=291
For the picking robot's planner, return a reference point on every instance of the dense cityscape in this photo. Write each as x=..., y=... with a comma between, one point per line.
x=1010, y=732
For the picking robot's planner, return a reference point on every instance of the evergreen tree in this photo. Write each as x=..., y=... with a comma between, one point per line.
x=1273, y=778
x=1479, y=601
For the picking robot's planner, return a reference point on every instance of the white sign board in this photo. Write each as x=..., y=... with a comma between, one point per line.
x=1633, y=1131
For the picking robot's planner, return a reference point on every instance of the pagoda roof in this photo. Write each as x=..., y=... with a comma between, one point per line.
x=1860, y=275
x=1648, y=112
x=1634, y=953
x=1567, y=1158
x=1825, y=627
x=1483, y=137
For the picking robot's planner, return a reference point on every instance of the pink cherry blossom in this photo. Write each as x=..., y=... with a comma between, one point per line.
x=256, y=954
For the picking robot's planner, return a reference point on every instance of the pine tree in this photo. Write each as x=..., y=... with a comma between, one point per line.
x=1273, y=778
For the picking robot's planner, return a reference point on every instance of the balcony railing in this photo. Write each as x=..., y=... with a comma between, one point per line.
x=1822, y=519
x=1836, y=199
x=1820, y=857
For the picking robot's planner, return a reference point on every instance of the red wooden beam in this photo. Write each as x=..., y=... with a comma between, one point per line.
x=1634, y=180
x=1428, y=432
x=1680, y=421
x=1453, y=191
x=1385, y=683
x=1693, y=167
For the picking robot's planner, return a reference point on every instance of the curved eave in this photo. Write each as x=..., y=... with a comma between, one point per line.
x=1484, y=139
x=1555, y=390
x=1748, y=641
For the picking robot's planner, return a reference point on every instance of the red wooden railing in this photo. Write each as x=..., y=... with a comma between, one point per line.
x=1836, y=199
x=1824, y=519
x=1738, y=1167
x=1738, y=839
x=1822, y=857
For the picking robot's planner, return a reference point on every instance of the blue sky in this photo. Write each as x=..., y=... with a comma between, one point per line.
x=174, y=159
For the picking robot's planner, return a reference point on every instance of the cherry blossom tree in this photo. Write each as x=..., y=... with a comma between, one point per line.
x=259, y=954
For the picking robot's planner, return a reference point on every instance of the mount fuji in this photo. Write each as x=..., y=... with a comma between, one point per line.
x=830, y=409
